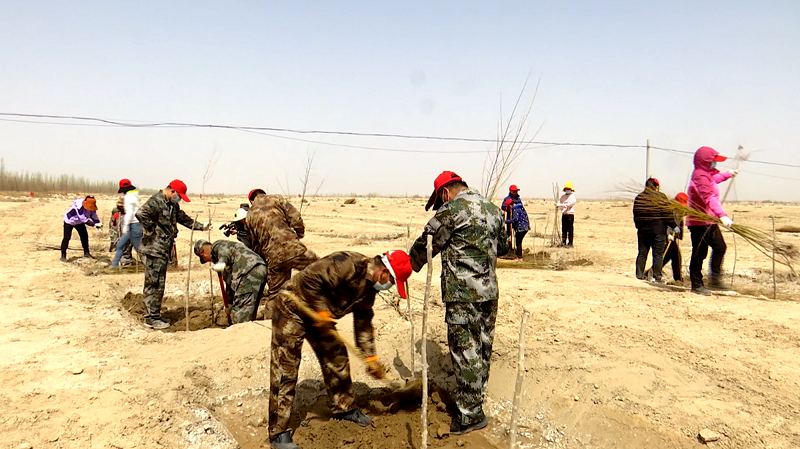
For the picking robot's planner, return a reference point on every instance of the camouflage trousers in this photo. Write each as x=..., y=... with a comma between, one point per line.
x=155, y=280
x=245, y=298
x=288, y=333
x=470, y=333
x=279, y=274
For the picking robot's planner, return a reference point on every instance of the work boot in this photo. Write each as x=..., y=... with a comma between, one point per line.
x=356, y=416
x=156, y=323
x=88, y=256
x=456, y=428
x=283, y=441
x=702, y=291
x=715, y=282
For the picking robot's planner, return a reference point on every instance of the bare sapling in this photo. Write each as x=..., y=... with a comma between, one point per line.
x=520, y=377
x=209, y=173
x=774, y=283
x=189, y=273
x=304, y=180
x=741, y=156
x=429, y=252
x=555, y=238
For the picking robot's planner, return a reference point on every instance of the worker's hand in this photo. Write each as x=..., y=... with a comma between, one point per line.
x=99, y=226
x=219, y=267
x=734, y=173
x=726, y=221
x=325, y=321
x=670, y=237
x=207, y=225
x=375, y=368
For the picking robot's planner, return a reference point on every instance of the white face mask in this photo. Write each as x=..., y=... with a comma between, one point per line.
x=176, y=200
x=381, y=287
x=713, y=164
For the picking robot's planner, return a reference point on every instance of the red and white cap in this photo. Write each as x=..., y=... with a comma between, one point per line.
x=178, y=186
x=399, y=265
x=447, y=177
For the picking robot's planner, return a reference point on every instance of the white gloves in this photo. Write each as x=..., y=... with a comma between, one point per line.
x=99, y=226
x=726, y=221
x=219, y=267
x=207, y=226
x=734, y=173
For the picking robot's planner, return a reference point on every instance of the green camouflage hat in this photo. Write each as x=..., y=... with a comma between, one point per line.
x=198, y=246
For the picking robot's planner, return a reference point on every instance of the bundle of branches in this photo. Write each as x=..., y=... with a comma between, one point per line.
x=657, y=204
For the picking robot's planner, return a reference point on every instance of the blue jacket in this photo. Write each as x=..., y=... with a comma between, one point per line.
x=519, y=218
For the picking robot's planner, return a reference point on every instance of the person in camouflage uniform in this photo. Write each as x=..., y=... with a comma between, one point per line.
x=468, y=231
x=159, y=217
x=331, y=287
x=274, y=228
x=244, y=273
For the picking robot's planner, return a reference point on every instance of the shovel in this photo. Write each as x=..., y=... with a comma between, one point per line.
x=225, y=299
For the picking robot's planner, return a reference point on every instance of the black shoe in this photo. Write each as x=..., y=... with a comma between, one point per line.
x=157, y=323
x=456, y=428
x=716, y=283
x=283, y=441
x=356, y=416
x=702, y=291
x=88, y=256
x=63, y=258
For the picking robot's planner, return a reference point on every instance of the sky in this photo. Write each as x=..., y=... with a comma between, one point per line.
x=682, y=74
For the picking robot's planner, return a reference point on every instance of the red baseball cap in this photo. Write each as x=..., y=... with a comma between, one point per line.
x=682, y=198
x=178, y=186
x=252, y=194
x=399, y=265
x=513, y=188
x=447, y=177
x=720, y=158
x=124, y=183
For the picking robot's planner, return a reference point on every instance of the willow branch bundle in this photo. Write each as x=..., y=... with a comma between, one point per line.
x=658, y=205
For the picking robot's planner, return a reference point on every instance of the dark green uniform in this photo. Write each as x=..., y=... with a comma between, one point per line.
x=159, y=217
x=245, y=276
x=469, y=233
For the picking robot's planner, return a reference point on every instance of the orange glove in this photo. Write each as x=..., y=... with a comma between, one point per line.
x=326, y=321
x=375, y=368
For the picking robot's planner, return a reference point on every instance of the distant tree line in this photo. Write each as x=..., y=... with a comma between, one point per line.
x=46, y=183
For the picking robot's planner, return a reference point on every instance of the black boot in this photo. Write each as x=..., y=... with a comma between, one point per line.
x=356, y=416
x=283, y=441
x=715, y=282
x=456, y=428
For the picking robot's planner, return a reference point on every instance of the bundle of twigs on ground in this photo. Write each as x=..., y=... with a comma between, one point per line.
x=782, y=252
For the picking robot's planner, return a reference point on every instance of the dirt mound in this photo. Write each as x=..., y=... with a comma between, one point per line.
x=173, y=309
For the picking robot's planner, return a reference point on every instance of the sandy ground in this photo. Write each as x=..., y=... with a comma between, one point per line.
x=612, y=361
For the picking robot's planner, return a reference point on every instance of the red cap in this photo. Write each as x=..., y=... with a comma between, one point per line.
x=178, y=186
x=447, y=177
x=399, y=265
x=720, y=158
x=513, y=188
x=682, y=198
x=251, y=196
x=124, y=183
x=507, y=202
x=656, y=181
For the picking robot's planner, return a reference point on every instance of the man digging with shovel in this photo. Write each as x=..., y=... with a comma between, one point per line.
x=328, y=289
x=244, y=273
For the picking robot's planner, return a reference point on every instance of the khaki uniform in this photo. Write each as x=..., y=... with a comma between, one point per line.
x=274, y=228
x=340, y=283
x=245, y=276
x=469, y=233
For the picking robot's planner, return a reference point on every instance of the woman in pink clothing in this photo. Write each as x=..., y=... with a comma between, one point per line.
x=704, y=196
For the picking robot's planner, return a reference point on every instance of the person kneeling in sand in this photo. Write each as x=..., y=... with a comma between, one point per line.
x=328, y=289
x=244, y=273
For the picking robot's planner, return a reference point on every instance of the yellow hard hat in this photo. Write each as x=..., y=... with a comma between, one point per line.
x=568, y=186
x=240, y=214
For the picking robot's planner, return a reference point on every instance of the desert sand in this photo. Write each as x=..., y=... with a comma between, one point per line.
x=612, y=362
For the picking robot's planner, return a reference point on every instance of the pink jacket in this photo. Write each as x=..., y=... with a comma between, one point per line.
x=703, y=191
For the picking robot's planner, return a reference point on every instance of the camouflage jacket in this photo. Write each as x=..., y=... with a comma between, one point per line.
x=273, y=228
x=469, y=233
x=341, y=283
x=239, y=261
x=159, y=218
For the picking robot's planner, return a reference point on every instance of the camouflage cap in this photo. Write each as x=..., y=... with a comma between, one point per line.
x=198, y=246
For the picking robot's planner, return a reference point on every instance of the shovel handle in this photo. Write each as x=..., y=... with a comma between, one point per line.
x=225, y=299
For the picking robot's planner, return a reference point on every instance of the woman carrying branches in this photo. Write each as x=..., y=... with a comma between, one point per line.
x=704, y=197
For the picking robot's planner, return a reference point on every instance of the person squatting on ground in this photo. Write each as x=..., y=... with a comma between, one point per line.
x=704, y=197
x=274, y=228
x=159, y=217
x=83, y=212
x=131, y=229
x=244, y=273
x=651, y=228
x=469, y=233
x=115, y=232
x=520, y=224
x=673, y=251
x=513, y=196
x=337, y=284
x=567, y=204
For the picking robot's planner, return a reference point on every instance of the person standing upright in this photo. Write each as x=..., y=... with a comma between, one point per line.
x=274, y=228
x=673, y=251
x=651, y=227
x=131, y=229
x=704, y=197
x=512, y=198
x=469, y=232
x=567, y=204
x=83, y=212
x=520, y=224
x=159, y=218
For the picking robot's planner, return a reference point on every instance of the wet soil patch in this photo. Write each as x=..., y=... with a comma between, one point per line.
x=172, y=308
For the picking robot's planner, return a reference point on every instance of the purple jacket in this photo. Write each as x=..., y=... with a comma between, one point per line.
x=703, y=191
x=78, y=215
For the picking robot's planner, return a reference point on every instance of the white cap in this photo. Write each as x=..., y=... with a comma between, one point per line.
x=240, y=214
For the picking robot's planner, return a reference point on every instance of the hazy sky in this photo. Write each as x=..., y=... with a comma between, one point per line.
x=683, y=74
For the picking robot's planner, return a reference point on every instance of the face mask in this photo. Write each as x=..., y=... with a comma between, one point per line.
x=713, y=164
x=380, y=287
x=176, y=200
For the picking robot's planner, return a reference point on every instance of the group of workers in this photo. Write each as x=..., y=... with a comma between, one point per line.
x=468, y=232
x=659, y=230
